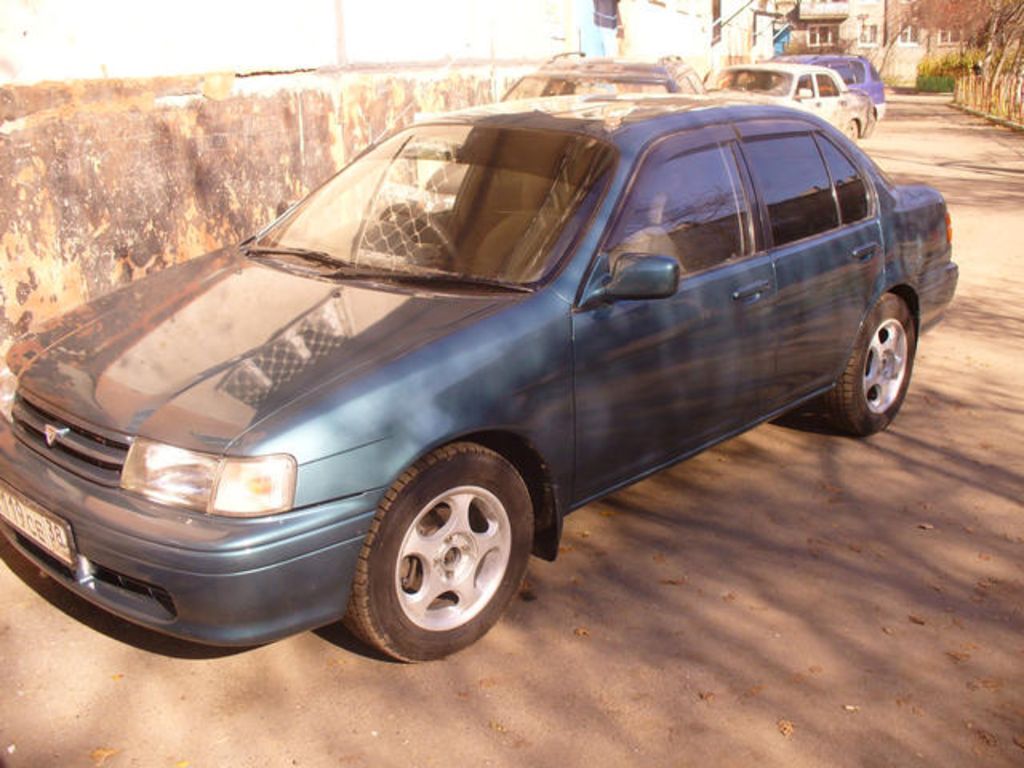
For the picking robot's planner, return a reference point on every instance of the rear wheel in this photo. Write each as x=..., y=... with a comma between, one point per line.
x=872, y=387
x=447, y=550
x=852, y=130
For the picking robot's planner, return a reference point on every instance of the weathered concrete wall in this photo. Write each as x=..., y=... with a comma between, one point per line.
x=102, y=182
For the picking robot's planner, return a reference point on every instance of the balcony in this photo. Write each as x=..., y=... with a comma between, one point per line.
x=823, y=11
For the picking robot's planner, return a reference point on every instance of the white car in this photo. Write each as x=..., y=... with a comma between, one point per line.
x=818, y=90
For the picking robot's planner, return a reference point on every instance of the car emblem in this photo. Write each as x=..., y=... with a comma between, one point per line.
x=53, y=434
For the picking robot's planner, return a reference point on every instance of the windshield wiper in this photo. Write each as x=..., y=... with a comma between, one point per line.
x=307, y=254
x=432, y=278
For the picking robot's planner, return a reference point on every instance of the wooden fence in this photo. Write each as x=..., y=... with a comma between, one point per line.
x=1002, y=98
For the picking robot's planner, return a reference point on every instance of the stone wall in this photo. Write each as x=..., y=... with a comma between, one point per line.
x=104, y=181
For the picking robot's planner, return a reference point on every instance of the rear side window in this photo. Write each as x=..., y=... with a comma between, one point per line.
x=845, y=71
x=795, y=186
x=851, y=191
x=689, y=205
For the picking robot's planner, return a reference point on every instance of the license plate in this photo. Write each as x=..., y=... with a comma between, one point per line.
x=49, y=532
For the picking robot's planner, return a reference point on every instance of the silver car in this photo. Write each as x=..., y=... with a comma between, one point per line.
x=818, y=90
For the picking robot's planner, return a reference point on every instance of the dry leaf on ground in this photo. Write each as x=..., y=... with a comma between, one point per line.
x=786, y=728
x=100, y=754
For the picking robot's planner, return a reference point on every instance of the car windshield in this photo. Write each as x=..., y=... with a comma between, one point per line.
x=758, y=80
x=538, y=86
x=467, y=203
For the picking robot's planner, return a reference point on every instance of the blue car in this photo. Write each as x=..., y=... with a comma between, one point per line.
x=858, y=73
x=378, y=407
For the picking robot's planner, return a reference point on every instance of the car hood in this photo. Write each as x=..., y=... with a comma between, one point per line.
x=200, y=353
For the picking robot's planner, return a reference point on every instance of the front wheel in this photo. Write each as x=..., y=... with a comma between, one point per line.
x=446, y=552
x=872, y=387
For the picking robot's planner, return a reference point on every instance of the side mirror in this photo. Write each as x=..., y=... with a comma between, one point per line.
x=642, y=276
x=804, y=93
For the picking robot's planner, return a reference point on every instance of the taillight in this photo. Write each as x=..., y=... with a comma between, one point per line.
x=949, y=229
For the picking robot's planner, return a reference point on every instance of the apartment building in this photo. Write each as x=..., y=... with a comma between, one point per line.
x=888, y=32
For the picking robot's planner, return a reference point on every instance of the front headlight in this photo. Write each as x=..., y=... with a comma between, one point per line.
x=201, y=481
x=8, y=390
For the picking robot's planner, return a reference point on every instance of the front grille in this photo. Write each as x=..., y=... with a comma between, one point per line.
x=90, y=453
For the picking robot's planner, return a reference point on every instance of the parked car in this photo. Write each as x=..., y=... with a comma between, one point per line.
x=568, y=75
x=817, y=90
x=858, y=73
x=378, y=406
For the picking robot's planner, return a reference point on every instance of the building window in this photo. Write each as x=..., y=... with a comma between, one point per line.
x=868, y=35
x=820, y=35
x=716, y=21
x=950, y=36
x=909, y=36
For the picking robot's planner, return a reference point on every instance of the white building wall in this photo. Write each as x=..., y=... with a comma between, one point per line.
x=674, y=29
x=81, y=39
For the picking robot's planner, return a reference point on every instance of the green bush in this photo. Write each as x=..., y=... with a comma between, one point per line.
x=935, y=83
x=949, y=65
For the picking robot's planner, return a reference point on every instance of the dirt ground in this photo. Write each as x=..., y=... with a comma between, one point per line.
x=787, y=599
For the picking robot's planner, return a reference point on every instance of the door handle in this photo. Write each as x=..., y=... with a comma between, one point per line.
x=865, y=252
x=751, y=293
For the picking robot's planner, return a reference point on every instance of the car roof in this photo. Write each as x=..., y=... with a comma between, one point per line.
x=781, y=66
x=627, y=120
x=812, y=57
x=607, y=67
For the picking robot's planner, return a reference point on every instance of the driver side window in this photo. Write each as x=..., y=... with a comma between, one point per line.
x=689, y=205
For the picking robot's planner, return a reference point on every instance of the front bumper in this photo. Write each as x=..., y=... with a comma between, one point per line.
x=223, y=581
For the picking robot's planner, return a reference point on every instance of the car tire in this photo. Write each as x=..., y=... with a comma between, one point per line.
x=852, y=130
x=447, y=550
x=871, y=389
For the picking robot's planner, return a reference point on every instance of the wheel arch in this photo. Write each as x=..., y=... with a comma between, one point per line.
x=527, y=460
x=536, y=473
x=910, y=298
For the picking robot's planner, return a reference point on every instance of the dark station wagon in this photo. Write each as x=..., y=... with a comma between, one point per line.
x=574, y=75
x=378, y=407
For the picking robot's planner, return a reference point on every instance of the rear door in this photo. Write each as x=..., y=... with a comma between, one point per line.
x=829, y=95
x=826, y=248
x=655, y=379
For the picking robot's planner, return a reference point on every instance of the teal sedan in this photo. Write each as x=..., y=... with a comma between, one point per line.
x=378, y=407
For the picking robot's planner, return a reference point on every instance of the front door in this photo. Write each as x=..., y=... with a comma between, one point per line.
x=655, y=379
